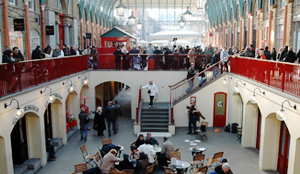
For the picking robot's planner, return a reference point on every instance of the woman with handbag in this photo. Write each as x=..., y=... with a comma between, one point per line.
x=99, y=122
x=152, y=91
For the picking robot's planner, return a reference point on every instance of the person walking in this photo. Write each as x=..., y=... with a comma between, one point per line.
x=84, y=120
x=192, y=116
x=152, y=91
x=119, y=113
x=191, y=73
x=99, y=121
x=110, y=115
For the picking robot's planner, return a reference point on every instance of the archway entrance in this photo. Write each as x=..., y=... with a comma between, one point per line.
x=19, y=146
x=284, y=147
x=250, y=123
x=48, y=122
x=237, y=109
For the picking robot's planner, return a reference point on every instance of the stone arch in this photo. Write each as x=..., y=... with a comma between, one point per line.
x=269, y=142
x=64, y=6
x=237, y=109
x=250, y=125
x=73, y=104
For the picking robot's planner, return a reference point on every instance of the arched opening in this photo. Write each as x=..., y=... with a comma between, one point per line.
x=62, y=6
x=55, y=122
x=3, y=152
x=237, y=109
x=26, y=139
x=284, y=148
x=269, y=142
x=72, y=108
x=250, y=125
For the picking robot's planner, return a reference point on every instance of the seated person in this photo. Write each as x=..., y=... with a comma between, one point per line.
x=153, y=141
x=125, y=164
x=140, y=140
x=142, y=164
x=218, y=168
x=167, y=147
x=106, y=148
x=134, y=154
x=148, y=150
x=226, y=168
x=108, y=161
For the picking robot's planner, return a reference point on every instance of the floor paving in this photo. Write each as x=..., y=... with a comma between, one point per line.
x=242, y=160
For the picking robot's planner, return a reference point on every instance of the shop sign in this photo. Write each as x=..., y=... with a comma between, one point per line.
x=31, y=108
x=19, y=25
x=50, y=30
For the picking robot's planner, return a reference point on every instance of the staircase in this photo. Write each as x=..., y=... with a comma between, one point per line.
x=155, y=119
x=28, y=167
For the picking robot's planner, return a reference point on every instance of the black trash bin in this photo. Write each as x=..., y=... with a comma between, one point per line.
x=234, y=127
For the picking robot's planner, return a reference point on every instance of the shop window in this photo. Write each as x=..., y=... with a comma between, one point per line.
x=34, y=39
x=16, y=39
x=12, y=2
x=31, y=5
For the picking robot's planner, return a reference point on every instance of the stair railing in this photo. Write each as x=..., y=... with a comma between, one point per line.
x=181, y=89
x=139, y=106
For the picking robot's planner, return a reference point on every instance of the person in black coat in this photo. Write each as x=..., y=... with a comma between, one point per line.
x=73, y=51
x=267, y=53
x=291, y=58
x=36, y=54
x=110, y=115
x=99, y=121
x=139, y=141
x=118, y=54
x=202, y=75
x=142, y=164
x=125, y=164
x=274, y=54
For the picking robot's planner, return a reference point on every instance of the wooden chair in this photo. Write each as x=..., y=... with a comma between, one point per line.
x=128, y=171
x=98, y=159
x=106, y=141
x=175, y=154
x=208, y=165
x=197, y=161
x=168, y=170
x=149, y=169
x=217, y=158
x=80, y=168
x=87, y=158
x=202, y=132
x=176, y=150
x=203, y=169
x=116, y=171
x=154, y=163
x=133, y=143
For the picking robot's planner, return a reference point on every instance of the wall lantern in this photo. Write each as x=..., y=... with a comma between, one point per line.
x=280, y=114
x=236, y=88
x=85, y=81
x=121, y=8
x=51, y=97
x=19, y=112
x=72, y=87
x=253, y=98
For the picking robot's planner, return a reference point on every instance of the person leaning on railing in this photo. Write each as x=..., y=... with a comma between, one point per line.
x=9, y=76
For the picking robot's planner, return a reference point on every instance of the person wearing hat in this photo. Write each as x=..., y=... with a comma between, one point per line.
x=108, y=161
x=99, y=121
x=218, y=168
x=125, y=164
x=118, y=54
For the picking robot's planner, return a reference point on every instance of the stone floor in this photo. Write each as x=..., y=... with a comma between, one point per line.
x=242, y=160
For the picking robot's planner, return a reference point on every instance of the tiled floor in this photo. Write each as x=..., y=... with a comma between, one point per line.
x=242, y=160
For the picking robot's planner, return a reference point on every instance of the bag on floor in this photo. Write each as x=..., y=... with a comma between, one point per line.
x=227, y=128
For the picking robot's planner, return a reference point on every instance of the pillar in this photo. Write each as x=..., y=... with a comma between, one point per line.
x=43, y=26
x=66, y=34
x=93, y=34
x=97, y=35
x=6, y=26
x=288, y=23
x=27, y=28
x=250, y=29
x=229, y=34
x=87, y=31
x=272, y=27
x=234, y=32
x=241, y=32
x=56, y=33
x=81, y=32
x=284, y=26
x=224, y=34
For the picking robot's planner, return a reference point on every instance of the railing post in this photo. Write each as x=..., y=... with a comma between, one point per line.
x=283, y=77
x=269, y=72
x=35, y=73
x=19, y=76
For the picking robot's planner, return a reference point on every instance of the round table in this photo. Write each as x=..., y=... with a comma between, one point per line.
x=157, y=149
x=198, y=150
x=183, y=167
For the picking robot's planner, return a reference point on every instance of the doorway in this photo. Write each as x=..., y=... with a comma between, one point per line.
x=258, y=130
x=19, y=145
x=284, y=147
x=48, y=122
x=220, y=105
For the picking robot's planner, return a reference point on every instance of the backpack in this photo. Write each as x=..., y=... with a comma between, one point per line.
x=227, y=128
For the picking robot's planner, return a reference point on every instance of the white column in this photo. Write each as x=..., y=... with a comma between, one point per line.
x=66, y=34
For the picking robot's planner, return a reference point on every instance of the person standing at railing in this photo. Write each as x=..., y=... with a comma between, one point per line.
x=291, y=58
x=224, y=58
x=87, y=51
x=65, y=50
x=134, y=57
x=36, y=54
x=57, y=52
x=191, y=73
x=152, y=91
x=247, y=53
x=142, y=53
x=118, y=54
x=94, y=54
x=150, y=50
x=158, y=64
